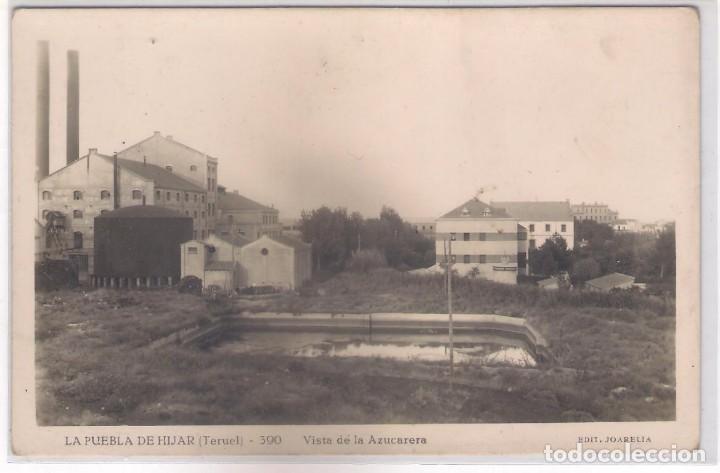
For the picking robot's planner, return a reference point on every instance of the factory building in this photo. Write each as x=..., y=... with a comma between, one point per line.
x=184, y=161
x=238, y=215
x=485, y=241
x=71, y=197
x=139, y=246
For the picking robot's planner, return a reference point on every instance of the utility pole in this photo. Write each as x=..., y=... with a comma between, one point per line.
x=450, y=308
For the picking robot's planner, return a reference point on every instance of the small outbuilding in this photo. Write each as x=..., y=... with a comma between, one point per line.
x=609, y=282
x=200, y=259
x=549, y=283
x=280, y=261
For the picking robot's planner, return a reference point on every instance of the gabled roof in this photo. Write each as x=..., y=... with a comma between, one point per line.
x=163, y=178
x=548, y=282
x=235, y=240
x=142, y=211
x=233, y=201
x=611, y=280
x=284, y=240
x=158, y=136
x=475, y=208
x=537, y=211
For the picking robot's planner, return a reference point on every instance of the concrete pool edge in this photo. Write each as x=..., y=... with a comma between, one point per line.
x=384, y=322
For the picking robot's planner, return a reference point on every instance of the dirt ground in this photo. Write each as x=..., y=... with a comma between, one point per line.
x=99, y=363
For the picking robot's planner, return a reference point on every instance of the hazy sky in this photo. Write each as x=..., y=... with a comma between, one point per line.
x=416, y=109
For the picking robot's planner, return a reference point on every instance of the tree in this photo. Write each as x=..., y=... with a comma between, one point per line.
x=328, y=231
x=551, y=257
x=585, y=270
x=665, y=252
x=335, y=237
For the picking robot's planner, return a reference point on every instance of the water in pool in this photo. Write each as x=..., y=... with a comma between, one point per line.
x=475, y=349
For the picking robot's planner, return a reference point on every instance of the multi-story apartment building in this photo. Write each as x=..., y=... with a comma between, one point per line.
x=598, y=212
x=238, y=215
x=543, y=220
x=483, y=240
x=71, y=197
x=180, y=159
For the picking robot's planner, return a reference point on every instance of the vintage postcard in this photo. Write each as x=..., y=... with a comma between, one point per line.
x=359, y=231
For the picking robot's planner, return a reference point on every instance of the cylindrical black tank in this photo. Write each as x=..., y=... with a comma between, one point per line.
x=140, y=241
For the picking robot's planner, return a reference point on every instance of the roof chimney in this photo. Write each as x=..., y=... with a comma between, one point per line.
x=168, y=137
x=92, y=151
x=235, y=191
x=42, y=130
x=73, y=107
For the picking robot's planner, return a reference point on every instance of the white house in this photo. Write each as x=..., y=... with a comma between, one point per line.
x=484, y=241
x=543, y=220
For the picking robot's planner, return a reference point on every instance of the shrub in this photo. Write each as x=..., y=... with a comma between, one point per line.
x=366, y=260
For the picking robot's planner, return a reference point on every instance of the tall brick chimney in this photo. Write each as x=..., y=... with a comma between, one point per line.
x=73, y=107
x=42, y=119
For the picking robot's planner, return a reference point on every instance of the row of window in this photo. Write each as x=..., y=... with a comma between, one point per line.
x=497, y=236
x=104, y=195
x=136, y=195
x=563, y=227
x=211, y=209
x=169, y=167
x=169, y=196
x=481, y=259
x=195, y=213
x=269, y=219
x=212, y=184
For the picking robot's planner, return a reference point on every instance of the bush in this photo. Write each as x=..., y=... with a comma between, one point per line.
x=366, y=260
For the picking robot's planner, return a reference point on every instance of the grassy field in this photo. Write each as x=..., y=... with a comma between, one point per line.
x=97, y=363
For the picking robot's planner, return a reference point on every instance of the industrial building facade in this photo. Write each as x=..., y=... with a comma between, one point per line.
x=184, y=161
x=71, y=198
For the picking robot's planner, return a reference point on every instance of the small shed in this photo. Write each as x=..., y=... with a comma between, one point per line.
x=280, y=261
x=223, y=274
x=199, y=259
x=610, y=281
x=549, y=284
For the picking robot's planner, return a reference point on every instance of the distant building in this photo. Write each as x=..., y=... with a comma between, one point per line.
x=486, y=242
x=425, y=227
x=609, y=282
x=597, y=212
x=543, y=220
x=626, y=225
x=71, y=197
x=291, y=227
x=239, y=215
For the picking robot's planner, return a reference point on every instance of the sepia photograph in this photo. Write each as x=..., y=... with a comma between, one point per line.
x=354, y=217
